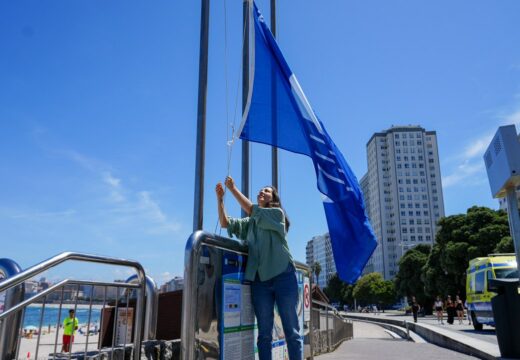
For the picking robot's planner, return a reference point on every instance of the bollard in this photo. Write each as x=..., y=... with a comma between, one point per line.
x=407, y=330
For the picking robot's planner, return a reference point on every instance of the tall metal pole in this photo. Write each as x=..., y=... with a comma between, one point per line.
x=245, y=89
x=274, y=150
x=201, y=118
x=514, y=219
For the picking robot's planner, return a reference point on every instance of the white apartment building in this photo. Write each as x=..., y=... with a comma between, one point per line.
x=403, y=193
x=319, y=249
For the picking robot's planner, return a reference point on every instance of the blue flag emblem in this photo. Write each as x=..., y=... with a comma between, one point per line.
x=279, y=114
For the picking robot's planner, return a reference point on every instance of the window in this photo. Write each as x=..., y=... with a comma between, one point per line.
x=401, y=197
x=397, y=136
x=410, y=213
x=480, y=282
x=412, y=238
x=408, y=181
x=411, y=221
x=417, y=213
x=425, y=213
x=397, y=143
x=403, y=213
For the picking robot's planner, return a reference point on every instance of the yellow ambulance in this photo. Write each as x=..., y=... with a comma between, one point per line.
x=478, y=297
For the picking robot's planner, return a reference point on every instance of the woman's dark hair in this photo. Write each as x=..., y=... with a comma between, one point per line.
x=276, y=202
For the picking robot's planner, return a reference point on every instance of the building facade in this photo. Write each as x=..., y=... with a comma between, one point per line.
x=403, y=193
x=319, y=249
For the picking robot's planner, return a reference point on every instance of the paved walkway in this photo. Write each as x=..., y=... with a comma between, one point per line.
x=373, y=342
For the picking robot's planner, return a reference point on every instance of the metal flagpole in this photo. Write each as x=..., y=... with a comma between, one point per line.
x=245, y=89
x=201, y=118
x=274, y=149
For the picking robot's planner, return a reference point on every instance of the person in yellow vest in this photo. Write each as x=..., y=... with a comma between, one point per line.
x=70, y=325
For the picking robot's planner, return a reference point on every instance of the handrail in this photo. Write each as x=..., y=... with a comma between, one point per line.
x=193, y=251
x=66, y=256
x=50, y=289
x=9, y=341
x=152, y=305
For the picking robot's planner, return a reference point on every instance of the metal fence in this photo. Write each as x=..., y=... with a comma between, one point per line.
x=109, y=315
x=329, y=328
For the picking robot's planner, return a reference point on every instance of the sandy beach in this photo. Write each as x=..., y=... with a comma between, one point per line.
x=47, y=341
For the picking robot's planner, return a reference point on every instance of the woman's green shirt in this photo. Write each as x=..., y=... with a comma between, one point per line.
x=264, y=233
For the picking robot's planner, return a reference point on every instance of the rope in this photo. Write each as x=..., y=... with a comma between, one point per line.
x=230, y=126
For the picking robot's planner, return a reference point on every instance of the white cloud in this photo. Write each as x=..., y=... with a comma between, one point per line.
x=44, y=215
x=463, y=173
x=513, y=118
x=115, y=189
x=477, y=147
x=470, y=160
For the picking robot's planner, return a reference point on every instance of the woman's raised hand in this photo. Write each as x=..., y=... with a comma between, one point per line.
x=219, y=189
x=230, y=183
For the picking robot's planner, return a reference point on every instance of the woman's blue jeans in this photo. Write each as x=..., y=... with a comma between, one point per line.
x=282, y=290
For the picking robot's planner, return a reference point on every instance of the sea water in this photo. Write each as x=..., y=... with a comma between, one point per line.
x=33, y=314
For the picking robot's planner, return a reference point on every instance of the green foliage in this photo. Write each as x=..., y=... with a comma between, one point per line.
x=316, y=269
x=339, y=291
x=408, y=281
x=505, y=245
x=461, y=238
x=335, y=289
x=373, y=289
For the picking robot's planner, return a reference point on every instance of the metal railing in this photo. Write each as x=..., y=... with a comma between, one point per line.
x=329, y=328
x=111, y=309
x=202, y=299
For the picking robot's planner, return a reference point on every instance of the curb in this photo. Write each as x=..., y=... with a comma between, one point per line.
x=460, y=343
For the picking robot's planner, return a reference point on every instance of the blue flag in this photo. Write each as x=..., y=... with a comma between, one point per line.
x=279, y=114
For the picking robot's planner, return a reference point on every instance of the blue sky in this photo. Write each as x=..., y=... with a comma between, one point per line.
x=98, y=108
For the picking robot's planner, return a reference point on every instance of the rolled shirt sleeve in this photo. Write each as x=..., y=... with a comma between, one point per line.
x=238, y=227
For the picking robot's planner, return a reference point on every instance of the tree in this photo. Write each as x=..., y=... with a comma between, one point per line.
x=373, y=289
x=335, y=289
x=505, y=246
x=408, y=281
x=316, y=269
x=461, y=238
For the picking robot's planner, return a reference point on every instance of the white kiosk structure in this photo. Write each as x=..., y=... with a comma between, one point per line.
x=502, y=159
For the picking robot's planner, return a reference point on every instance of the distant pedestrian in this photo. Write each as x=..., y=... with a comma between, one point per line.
x=459, y=307
x=439, y=309
x=450, y=309
x=70, y=325
x=415, y=308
